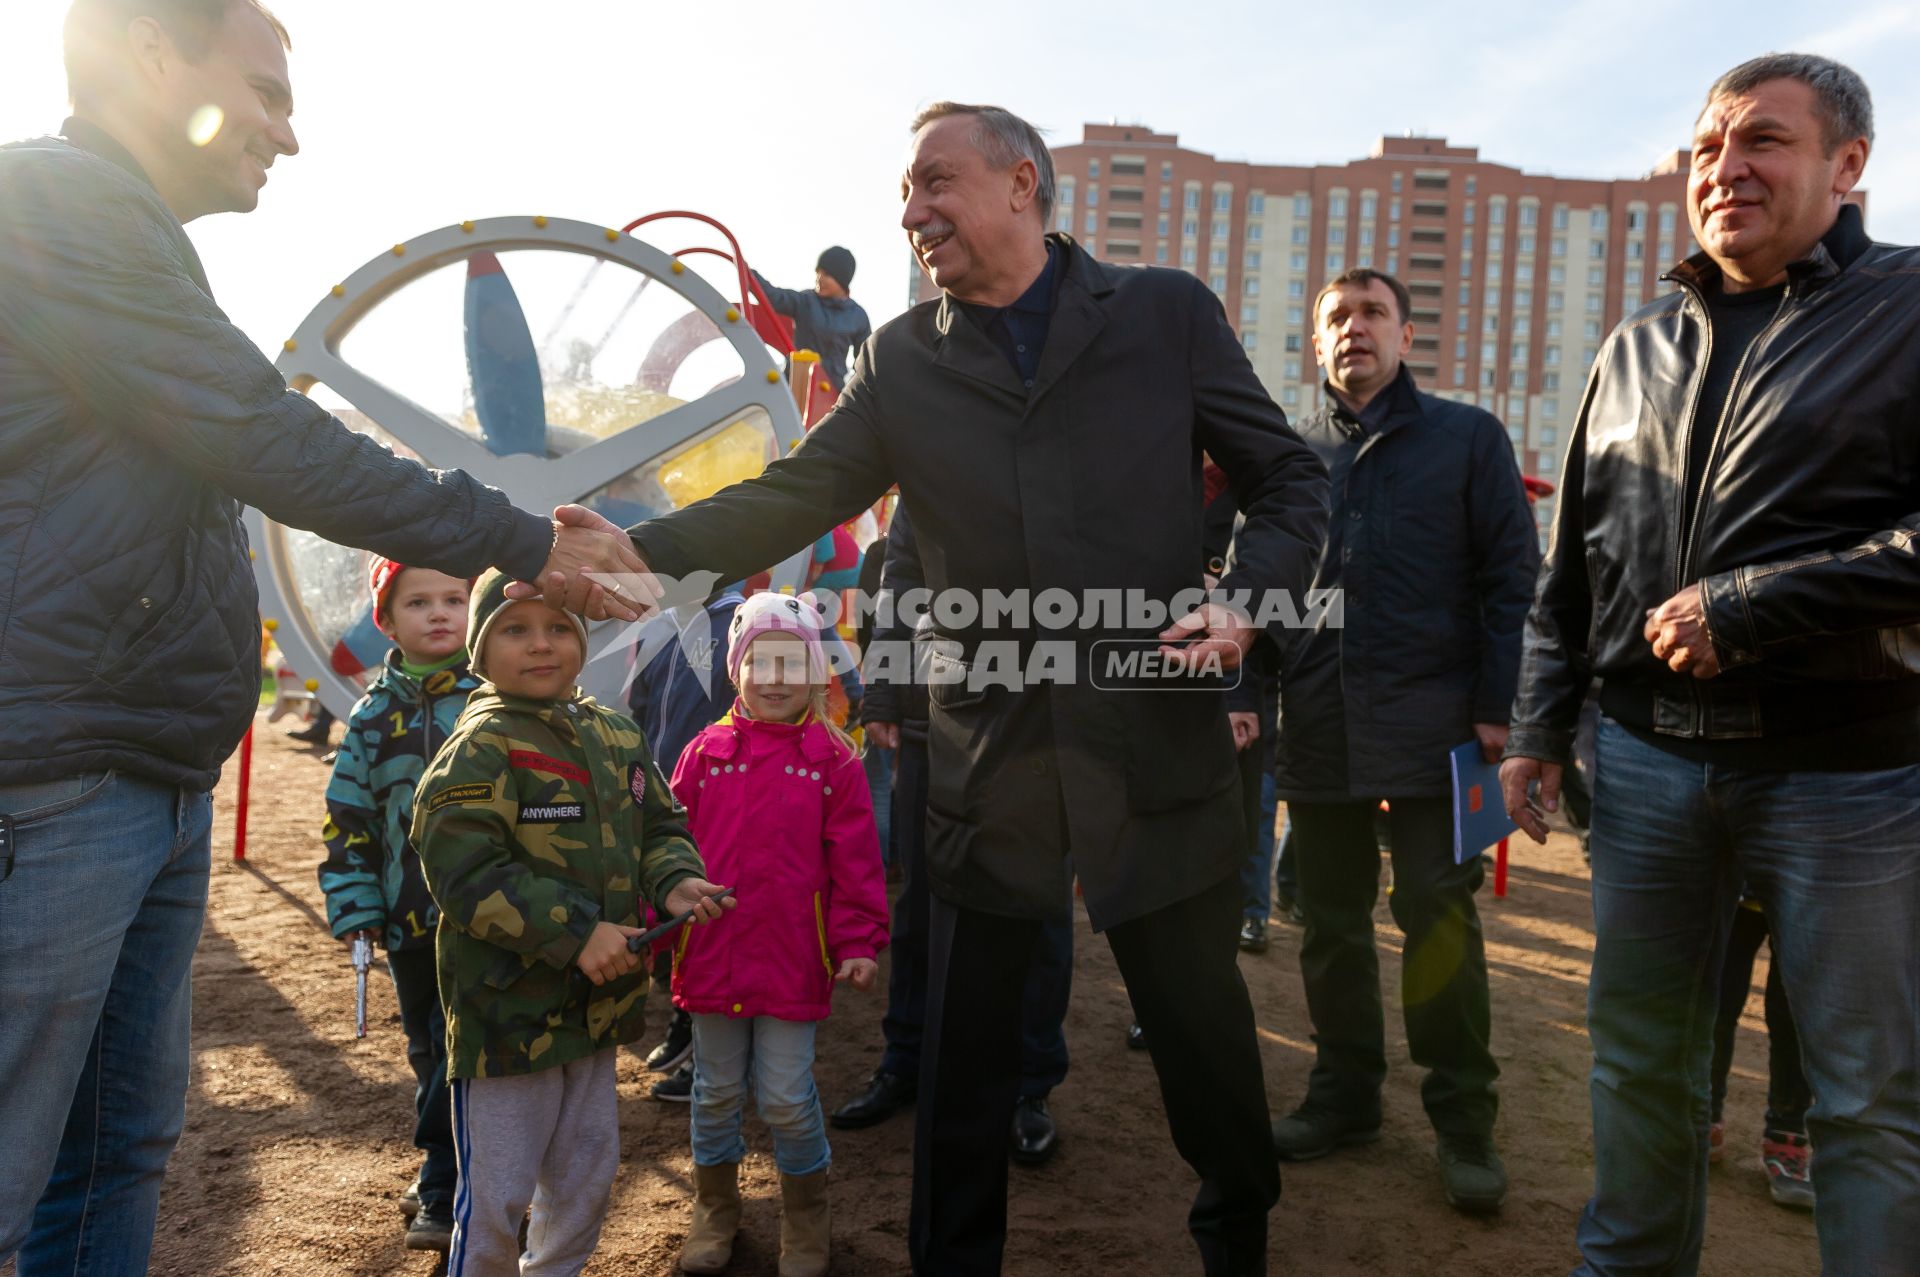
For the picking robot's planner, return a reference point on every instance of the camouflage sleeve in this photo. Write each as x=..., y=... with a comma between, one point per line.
x=667, y=853
x=464, y=815
x=350, y=873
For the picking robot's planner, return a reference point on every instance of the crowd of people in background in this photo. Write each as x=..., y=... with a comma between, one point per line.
x=1732, y=575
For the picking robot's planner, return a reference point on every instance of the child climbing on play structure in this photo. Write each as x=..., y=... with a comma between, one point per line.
x=371, y=874
x=544, y=828
x=777, y=800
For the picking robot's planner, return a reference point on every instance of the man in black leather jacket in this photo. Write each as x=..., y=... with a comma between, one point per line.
x=1735, y=556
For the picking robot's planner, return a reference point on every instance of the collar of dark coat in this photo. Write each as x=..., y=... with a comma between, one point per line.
x=93, y=139
x=1843, y=244
x=1079, y=313
x=1402, y=406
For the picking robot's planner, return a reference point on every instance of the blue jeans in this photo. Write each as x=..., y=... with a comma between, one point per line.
x=777, y=1057
x=1834, y=859
x=98, y=923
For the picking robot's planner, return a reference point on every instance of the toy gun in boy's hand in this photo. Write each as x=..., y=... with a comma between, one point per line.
x=638, y=944
x=362, y=959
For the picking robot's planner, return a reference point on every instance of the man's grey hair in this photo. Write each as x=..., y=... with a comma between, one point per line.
x=1005, y=139
x=1845, y=107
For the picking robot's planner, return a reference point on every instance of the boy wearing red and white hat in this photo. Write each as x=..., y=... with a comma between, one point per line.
x=371, y=874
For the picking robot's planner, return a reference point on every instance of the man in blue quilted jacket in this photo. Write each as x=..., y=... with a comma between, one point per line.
x=134, y=423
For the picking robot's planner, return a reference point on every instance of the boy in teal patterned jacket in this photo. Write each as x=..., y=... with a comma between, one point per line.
x=371, y=875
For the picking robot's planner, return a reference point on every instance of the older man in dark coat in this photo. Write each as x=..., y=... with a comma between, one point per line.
x=1045, y=419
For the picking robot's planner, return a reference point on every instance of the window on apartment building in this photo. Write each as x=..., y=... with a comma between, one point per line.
x=1253, y=232
x=1063, y=221
x=1369, y=207
x=1596, y=248
x=1587, y=356
x=1523, y=273
x=1490, y=322
x=1166, y=198
x=1336, y=206
x=1549, y=408
x=1161, y=224
x=1466, y=243
x=1636, y=250
x=1559, y=246
x=1595, y=303
x=1250, y=314
x=1093, y=194
x=1296, y=261
x=1493, y=272
x=1336, y=234
x=1256, y=203
x=1290, y=396
x=1293, y=343
x=1166, y=170
x=1393, y=209
x=1220, y=229
x=1560, y=217
x=1553, y=356
x=1629, y=301
x=1556, y=301
x=1522, y=324
x=1296, y=315
x=1517, y=379
x=1336, y=262
x=1516, y=434
x=1189, y=257
x=1223, y=201
x=1393, y=263
x=1459, y=375
x=1487, y=352
x=1249, y=340
x=1093, y=221
x=1556, y=274
x=1296, y=288
x=1128, y=168
x=1461, y=319
x=1550, y=381
x=1496, y=241
x=1553, y=328
x=1592, y=330
x=1396, y=182
x=1466, y=267
x=1190, y=227
x=1192, y=203
x=1547, y=463
x=1217, y=257
x=1548, y=434
x=1597, y=220
x=1496, y=212
x=1460, y=346
x=1666, y=219
x=1292, y=367
x=1303, y=206
x=1252, y=259
x=1123, y=248
x=1217, y=282
x=1471, y=183
x=1529, y=214
x=1466, y=294
x=1487, y=378
x=1299, y=235
x=1160, y=254
x=1066, y=191
x=1528, y=245
x=1523, y=299
x=1466, y=215
x=1636, y=219
x=1366, y=237
x=1517, y=353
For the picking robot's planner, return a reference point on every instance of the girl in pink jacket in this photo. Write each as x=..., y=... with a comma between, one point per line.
x=778, y=804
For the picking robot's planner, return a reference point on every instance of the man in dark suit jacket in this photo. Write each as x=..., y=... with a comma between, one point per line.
x=1045, y=419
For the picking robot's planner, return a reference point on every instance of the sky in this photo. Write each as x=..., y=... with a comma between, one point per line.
x=788, y=122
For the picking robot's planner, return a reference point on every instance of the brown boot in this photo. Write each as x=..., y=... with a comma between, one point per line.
x=805, y=1225
x=716, y=1218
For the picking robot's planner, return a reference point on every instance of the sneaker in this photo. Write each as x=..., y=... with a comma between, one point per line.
x=1253, y=935
x=410, y=1200
x=1788, y=1159
x=678, y=1047
x=1316, y=1129
x=1471, y=1169
x=431, y=1229
x=676, y=1088
x=1716, y=1142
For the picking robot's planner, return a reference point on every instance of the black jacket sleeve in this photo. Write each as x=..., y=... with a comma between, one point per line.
x=1506, y=557
x=889, y=700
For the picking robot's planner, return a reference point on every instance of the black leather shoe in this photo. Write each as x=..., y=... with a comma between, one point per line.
x=1035, y=1138
x=1317, y=1128
x=1253, y=935
x=1136, y=1037
x=886, y=1094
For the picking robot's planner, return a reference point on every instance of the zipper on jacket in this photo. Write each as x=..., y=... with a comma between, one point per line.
x=1689, y=536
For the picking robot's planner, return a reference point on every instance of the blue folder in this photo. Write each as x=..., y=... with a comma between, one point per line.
x=1479, y=812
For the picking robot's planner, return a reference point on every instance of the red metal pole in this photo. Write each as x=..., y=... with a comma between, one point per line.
x=1500, y=870
x=240, y=808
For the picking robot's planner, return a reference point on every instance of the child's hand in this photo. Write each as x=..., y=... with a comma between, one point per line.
x=605, y=956
x=696, y=894
x=859, y=972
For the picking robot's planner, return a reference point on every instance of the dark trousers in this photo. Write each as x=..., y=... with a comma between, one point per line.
x=1179, y=966
x=1788, y=1095
x=1443, y=970
x=1049, y=980
x=417, y=984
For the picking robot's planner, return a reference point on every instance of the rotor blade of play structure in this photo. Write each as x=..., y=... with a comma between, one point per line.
x=507, y=394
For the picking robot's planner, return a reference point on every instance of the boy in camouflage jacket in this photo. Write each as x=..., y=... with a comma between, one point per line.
x=544, y=828
x=371, y=875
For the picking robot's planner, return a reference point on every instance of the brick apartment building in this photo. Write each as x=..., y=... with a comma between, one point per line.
x=1515, y=277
